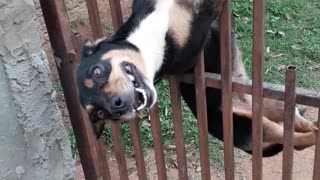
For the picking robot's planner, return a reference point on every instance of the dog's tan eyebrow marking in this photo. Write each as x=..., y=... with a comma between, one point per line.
x=89, y=108
x=88, y=83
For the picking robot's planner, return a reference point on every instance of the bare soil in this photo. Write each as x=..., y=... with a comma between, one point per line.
x=272, y=167
x=150, y=162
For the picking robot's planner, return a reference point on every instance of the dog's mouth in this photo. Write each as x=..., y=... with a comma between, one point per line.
x=144, y=94
x=140, y=99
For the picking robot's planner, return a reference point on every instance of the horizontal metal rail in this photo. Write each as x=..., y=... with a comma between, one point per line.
x=271, y=91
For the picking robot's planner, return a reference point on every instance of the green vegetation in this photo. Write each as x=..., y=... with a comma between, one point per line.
x=292, y=38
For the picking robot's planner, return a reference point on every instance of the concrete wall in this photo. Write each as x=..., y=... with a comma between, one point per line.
x=34, y=144
x=77, y=10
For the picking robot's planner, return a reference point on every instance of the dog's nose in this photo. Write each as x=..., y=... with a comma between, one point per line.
x=118, y=105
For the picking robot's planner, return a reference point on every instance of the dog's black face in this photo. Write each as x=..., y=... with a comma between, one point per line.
x=112, y=82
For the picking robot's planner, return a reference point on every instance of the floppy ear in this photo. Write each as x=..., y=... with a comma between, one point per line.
x=98, y=128
x=89, y=47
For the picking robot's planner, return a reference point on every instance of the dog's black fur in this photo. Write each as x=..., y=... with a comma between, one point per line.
x=179, y=60
x=175, y=56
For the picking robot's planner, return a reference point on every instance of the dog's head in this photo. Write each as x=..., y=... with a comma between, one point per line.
x=112, y=82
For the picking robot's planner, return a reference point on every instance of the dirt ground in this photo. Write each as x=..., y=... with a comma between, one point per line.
x=150, y=162
x=272, y=167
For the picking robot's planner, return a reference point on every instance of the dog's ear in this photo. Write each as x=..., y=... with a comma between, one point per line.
x=89, y=47
x=98, y=128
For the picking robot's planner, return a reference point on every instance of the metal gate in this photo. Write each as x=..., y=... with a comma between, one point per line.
x=92, y=154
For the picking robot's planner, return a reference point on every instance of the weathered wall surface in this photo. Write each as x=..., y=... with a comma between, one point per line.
x=34, y=144
x=77, y=11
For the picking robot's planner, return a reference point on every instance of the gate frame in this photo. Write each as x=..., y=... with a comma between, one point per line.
x=92, y=151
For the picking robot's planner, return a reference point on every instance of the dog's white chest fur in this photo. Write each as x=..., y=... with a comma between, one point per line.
x=150, y=35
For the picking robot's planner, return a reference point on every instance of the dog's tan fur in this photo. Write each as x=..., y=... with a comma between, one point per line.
x=89, y=108
x=305, y=131
x=118, y=82
x=179, y=28
x=88, y=83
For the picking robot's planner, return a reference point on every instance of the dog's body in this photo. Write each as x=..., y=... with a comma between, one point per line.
x=305, y=131
x=164, y=37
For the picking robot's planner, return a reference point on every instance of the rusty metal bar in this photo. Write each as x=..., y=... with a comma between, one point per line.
x=123, y=172
x=57, y=23
x=202, y=122
x=272, y=91
x=157, y=142
x=316, y=167
x=120, y=155
x=77, y=39
x=178, y=127
x=138, y=153
x=94, y=17
x=257, y=87
x=103, y=163
x=116, y=14
x=289, y=114
x=101, y=146
x=226, y=82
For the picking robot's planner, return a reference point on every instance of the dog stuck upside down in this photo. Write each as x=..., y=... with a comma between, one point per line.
x=163, y=37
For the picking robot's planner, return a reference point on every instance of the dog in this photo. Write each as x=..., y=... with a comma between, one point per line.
x=115, y=77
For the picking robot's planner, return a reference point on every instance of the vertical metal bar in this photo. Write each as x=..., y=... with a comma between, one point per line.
x=201, y=101
x=57, y=23
x=138, y=153
x=289, y=114
x=120, y=155
x=157, y=142
x=257, y=87
x=94, y=17
x=116, y=14
x=226, y=77
x=178, y=127
x=123, y=172
x=103, y=163
x=316, y=167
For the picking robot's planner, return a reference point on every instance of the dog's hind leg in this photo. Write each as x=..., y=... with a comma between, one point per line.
x=273, y=132
x=274, y=111
x=303, y=125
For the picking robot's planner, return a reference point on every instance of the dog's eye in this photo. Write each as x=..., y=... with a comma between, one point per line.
x=97, y=72
x=100, y=114
x=127, y=68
